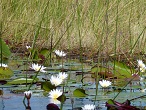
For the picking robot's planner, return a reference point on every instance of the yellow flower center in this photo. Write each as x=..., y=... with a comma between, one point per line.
x=55, y=96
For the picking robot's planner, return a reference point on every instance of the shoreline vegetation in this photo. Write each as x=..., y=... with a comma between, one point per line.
x=84, y=27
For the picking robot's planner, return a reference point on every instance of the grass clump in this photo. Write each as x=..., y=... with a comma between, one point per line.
x=72, y=24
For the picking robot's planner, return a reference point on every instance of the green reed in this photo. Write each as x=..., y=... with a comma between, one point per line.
x=23, y=18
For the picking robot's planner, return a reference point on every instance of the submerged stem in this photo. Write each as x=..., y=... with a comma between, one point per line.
x=123, y=88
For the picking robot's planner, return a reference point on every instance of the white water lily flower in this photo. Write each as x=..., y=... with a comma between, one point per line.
x=3, y=65
x=141, y=65
x=37, y=67
x=105, y=83
x=62, y=75
x=28, y=47
x=88, y=107
x=143, y=90
x=55, y=93
x=28, y=94
x=56, y=80
x=54, y=101
x=60, y=53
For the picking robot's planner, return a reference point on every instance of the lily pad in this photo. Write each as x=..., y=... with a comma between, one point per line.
x=5, y=49
x=21, y=81
x=5, y=73
x=45, y=52
x=122, y=70
x=79, y=92
x=47, y=86
x=62, y=98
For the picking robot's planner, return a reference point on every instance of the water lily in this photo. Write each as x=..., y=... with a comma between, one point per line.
x=54, y=101
x=37, y=67
x=55, y=93
x=105, y=83
x=56, y=80
x=3, y=65
x=88, y=107
x=28, y=94
x=62, y=75
x=143, y=90
x=141, y=65
x=28, y=47
x=60, y=53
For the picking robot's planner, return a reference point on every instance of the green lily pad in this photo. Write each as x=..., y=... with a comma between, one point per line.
x=62, y=98
x=122, y=70
x=5, y=73
x=47, y=86
x=110, y=101
x=21, y=81
x=98, y=69
x=5, y=49
x=45, y=52
x=79, y=92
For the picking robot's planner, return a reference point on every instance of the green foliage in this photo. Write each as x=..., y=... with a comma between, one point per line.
x=45, y=52
x=110, y=101
x=118, y=69
x=21, y=81
x=98, y=69
x=5, y=49
x=47, y=86
x=62, y=98
x=5, y=73
x=122, y=70
x=79, y=92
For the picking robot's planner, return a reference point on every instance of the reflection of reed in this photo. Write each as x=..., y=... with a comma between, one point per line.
x=28, y=108
x=27, y=96
x=2, y=101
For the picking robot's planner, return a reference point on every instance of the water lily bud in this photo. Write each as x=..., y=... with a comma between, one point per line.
x=28, y=94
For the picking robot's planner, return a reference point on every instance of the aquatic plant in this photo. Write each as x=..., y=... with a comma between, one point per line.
x=141, y=66
x=60, y=53
x=38, y=67
x=62, y=75
x=28, y=47
x=3, y=65
x=55, y=80
x=28, y=94
x=55, y=93
x=105, y=83
x=89, y=107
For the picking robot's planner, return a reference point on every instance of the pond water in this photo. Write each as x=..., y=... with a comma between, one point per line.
x=12, y=95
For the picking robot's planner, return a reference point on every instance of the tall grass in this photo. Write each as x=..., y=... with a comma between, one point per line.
x=94, y=20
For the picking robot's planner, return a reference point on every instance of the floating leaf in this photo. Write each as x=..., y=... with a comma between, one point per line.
x=79, y=92
x=121, y=70
x=62, y=98
x=5, y=49
x=47, y=86
x=96, y=69
x=44, y=52
x=21, y=81
x=110, y=101
x=5, y=73
x=114, y=105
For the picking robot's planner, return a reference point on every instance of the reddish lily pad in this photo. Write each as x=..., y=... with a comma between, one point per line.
x=114, y=105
